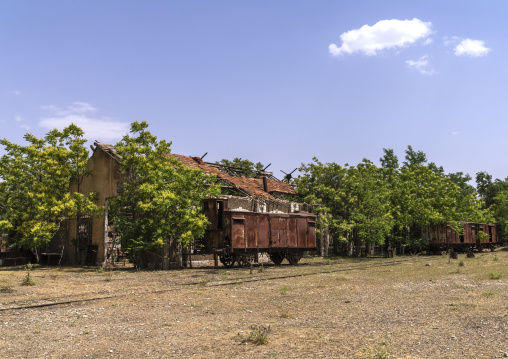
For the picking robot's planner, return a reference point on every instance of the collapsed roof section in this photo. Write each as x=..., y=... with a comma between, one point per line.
x=266, y=187
x=252, y=187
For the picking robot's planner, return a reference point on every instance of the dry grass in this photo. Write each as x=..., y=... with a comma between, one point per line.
x=342, y=308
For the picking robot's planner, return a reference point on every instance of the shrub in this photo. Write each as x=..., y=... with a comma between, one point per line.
x=494, y=275
x=261, y=269
x=258, y=335
x=28, y=281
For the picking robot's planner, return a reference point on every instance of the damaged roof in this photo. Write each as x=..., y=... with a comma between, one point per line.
x=252, y=186
x=109, y=149
x=249, y=186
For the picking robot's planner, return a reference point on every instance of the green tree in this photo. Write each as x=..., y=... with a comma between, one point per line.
x=488, y=189
x=369, y=202
x=414, y=157
x=243, y=167
x=470, y=206
x=161, y=198
x=35, y=189
x=390, y=171
x=499, y=209
x=352, y=202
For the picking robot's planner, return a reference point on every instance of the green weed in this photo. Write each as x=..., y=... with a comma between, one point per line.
x=261, y=269
x=379, y=352
x=488, y=293
x=257, y=336
x=494, y=275
x=28, y=281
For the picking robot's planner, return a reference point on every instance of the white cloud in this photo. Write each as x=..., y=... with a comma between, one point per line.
x=469, y=47
x=23, y=125
x=384, y=34
x=450, y=40
x=16, y=92
x=455, y=133
x=422, y=65
x=76, y=107
x=96, y=128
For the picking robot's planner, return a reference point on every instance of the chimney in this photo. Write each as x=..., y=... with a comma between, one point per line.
x=265, y=184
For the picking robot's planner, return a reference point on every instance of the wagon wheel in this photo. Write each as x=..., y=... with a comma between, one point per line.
x=227, y=260
x=276, y=258
x=243, y=260
x=293, y=258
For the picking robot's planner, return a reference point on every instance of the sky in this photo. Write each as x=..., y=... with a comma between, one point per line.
x=277, y=82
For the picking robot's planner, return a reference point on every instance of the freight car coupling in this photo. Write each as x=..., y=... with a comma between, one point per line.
x=238, y=235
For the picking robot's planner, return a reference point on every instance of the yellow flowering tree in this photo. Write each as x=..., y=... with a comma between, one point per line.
x=161, y=198
x=35, y=179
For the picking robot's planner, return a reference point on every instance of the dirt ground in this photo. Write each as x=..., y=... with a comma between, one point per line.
x=405, y=307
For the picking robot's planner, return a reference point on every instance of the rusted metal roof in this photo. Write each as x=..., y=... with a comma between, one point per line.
x=250, y=186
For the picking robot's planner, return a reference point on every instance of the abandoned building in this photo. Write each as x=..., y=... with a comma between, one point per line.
x=97, y=243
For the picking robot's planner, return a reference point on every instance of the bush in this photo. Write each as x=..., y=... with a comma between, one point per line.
x=494, y=275
x=258, y=335
x=28, y=281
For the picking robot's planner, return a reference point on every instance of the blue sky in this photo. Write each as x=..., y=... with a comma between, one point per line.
x=273, y=81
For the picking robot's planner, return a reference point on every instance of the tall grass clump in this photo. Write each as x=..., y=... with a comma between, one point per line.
x=28, y=281
x=258, y=335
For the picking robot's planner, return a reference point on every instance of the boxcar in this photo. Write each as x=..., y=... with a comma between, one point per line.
x=443, y=236
x=239, y=235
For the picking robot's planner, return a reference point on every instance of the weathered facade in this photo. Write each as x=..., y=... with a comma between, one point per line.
x=91, y=240
x=87, y=242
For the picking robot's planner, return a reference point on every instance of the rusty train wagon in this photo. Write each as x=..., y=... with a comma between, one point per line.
x=443, y=236
x=240, y=235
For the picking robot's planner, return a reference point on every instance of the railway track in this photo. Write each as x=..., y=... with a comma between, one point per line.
x=363, y=265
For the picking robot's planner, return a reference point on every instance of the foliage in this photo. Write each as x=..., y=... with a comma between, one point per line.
x=499, y=209
x=353, y=201
x=365, y=204
x=481, y=235
x=35, y=182
x=488, y=189
x=247, y=167
x=161, y=197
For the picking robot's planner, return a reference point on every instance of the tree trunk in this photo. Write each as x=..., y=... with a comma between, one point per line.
x=175, y=255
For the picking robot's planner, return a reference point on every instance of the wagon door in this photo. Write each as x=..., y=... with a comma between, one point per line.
x=238, y=231
x=263, y=232
x=311, y=237
x=251, y=230
x=292, y=232
x=283, y=232
x=302, y=232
